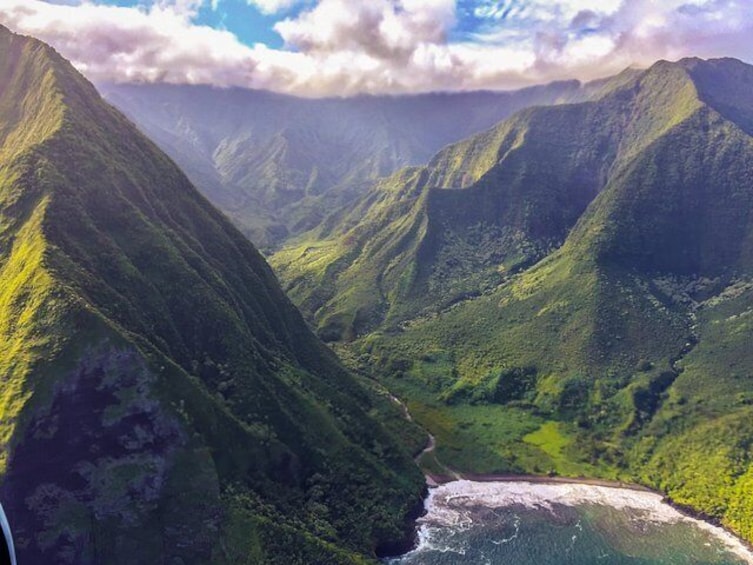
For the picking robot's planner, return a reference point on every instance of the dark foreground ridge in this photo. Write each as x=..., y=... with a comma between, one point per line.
x=161, y=400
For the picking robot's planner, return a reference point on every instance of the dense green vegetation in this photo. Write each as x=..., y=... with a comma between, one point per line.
x=161, y=400
x=278, y=165
x=568, y=292
x=415, y=243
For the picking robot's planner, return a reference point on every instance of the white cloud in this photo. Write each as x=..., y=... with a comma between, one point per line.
x=382, y=29
x=135, y=44
x=541, y=10
x=342, y=47
x=270, y=6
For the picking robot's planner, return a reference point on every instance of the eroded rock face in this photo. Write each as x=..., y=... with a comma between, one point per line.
x=99, y=460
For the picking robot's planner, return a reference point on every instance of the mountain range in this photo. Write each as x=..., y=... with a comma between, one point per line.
x=161, y=400
x=277, y=165
x=569, y=291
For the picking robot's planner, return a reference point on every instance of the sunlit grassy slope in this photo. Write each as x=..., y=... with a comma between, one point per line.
x=161, y=400
x=568, y=292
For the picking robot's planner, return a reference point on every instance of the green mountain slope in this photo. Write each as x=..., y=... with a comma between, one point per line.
x=524, y=184
x=160, y=398
x=575, y=292
x=278, y=165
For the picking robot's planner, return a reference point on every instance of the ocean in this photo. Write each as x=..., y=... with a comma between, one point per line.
x=521, y=523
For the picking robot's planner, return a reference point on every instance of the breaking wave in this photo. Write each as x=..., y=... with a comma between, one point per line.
x=452, y=507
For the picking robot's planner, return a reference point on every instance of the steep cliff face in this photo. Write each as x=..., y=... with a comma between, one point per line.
x=160, y=398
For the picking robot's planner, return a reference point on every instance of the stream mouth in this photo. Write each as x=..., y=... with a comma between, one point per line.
x=546, y=523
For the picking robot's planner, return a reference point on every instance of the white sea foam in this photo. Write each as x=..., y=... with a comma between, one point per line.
x=451, y=505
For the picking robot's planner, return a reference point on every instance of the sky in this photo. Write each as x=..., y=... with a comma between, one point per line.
x=320, y=48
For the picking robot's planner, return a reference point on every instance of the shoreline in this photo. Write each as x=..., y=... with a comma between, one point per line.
x=433, y=481
x=537, y=479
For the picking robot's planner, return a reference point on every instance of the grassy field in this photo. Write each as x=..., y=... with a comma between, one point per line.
x=494, y=439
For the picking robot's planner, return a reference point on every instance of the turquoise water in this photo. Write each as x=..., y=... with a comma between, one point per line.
x=524, y=523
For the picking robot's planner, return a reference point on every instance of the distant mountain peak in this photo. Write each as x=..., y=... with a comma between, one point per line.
x=278, y=165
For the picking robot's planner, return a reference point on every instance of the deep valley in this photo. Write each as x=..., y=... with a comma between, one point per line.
x=239, y=326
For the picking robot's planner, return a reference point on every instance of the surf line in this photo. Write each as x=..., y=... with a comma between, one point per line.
x=740, y=546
